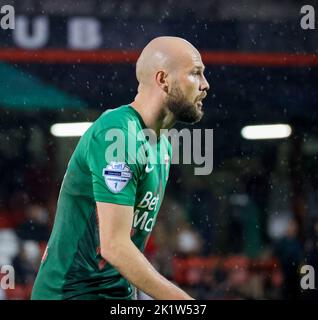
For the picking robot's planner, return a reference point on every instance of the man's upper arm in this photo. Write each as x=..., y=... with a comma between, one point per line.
x=115, y=223
x=114, y=187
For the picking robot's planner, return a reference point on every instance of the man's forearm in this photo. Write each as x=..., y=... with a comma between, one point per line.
x=134, y=266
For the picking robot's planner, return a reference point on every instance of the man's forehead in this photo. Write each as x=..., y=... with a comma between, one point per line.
x=196, y=61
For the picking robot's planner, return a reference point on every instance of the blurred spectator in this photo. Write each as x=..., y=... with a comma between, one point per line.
x=25, y=263
x=188, y=241
x=289, y=252
x=244, y=226
x=36, y=226
x=5, y=218
x=9, y=246
x=17, y=203
x=202, y=212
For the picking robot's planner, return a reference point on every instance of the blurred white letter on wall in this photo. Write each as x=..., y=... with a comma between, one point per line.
x=84, y=33
x=39, y=34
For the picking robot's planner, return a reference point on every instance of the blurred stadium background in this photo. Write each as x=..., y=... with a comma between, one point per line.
x=240, y=233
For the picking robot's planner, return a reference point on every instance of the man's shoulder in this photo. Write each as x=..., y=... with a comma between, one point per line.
x=122, y=117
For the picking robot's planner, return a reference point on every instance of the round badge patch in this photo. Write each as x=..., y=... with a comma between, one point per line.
x=117, y=176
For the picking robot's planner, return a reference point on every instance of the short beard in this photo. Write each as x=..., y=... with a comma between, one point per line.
x=183, y=110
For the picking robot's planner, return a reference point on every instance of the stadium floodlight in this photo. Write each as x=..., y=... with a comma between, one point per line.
x=268, y=131
x=74, y=129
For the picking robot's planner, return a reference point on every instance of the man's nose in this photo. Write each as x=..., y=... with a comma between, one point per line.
x=205, y=86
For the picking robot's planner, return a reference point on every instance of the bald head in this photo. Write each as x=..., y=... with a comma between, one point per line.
x=163, y=54
x=171, y=79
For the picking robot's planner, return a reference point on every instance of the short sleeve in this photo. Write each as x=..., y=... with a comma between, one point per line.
x=114, y=170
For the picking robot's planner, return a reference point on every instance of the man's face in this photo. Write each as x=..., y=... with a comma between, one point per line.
x=188, y=90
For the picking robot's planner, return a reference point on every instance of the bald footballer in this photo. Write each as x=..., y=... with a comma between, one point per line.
x=109, y=201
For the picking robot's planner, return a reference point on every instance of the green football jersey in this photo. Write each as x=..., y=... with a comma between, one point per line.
x=104, y=168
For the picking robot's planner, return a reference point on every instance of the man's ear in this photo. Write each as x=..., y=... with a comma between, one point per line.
x=162, y=81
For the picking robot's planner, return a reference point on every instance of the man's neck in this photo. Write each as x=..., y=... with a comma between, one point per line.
x=154, y=115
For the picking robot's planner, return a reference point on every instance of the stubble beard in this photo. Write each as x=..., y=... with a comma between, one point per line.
x=181, y=108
